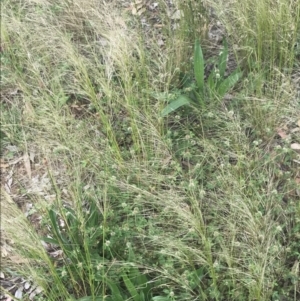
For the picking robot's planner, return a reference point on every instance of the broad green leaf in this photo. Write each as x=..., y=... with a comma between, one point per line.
x=199, y=66
x=91, y=298
x=223, y=60
x=142, y=296
x=131, y=288
x=228, y=83
x=174, y=105
x=139, y=279
x=116, y=295
x=210, y=81
x=160, y=298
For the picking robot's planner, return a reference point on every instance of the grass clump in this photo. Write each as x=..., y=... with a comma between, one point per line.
x=126, y=205
x=265, y=32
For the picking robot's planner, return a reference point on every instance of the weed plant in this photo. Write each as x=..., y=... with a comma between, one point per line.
x=200, y=205
x=201, y=92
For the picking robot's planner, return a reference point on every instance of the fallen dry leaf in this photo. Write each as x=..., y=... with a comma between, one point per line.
x=8, y=183
x=28, y=111
x=298, y=122
x=4, y=252
x=15, y=161
x=17, y=259
x=3, y=165
x=136, y=7
x=177, y=15
x=31, y=156
x=27, y=165
x=282, y=133
x=141, y=11
x=295, y=130
x=295, y=146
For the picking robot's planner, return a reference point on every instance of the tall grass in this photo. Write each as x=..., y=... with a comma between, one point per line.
x=201, y=206
x=265, y=32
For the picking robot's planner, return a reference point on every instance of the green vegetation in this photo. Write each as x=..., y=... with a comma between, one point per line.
x=216, y=87
x=128, y=201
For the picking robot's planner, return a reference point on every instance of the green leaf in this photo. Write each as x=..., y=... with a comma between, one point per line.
x=130, y=287
x=91, y=298
x=223, y=60
x=228, y=83
x=140, y=280
x=50, y=240
x=116, y=295
x=174, y=105
x=185, y=80
x=210, y=81
x=199, y=66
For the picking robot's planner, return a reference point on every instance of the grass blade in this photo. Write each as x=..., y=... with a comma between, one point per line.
x=174, y=105
x=199, y=66
x=53, y=219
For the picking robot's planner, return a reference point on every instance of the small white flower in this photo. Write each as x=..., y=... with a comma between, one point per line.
x=124, y=205
x=135, y=211
x=198, y=165
x=107, y=243
x=186, y=154
x=63, y=273
x=231, y=113
x=216, y=264
x=216, y=234
x=128, y=245
x=99, y=266
x=202, y=193
x=192, y=184
x=112, y=233
x=285, y=149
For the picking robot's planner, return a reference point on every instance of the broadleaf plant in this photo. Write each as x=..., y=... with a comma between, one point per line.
x=199, y=92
